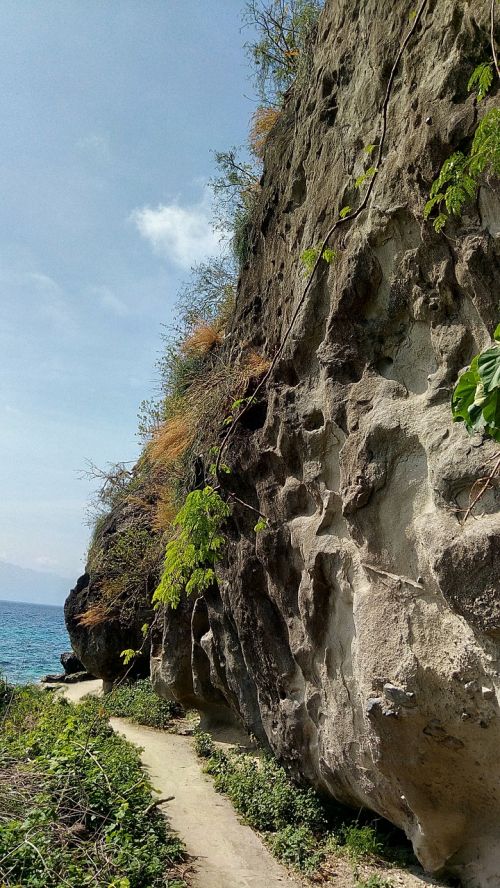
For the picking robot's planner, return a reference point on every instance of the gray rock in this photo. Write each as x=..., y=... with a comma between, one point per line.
x=352, y=454
x=71, y=663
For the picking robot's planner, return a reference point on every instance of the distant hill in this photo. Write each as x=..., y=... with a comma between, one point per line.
x=32, y=586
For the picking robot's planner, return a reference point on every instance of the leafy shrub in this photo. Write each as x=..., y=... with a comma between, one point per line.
x=262, y=123
x=264, y=795
x=191, y=556
x=296, y=846
x=361, y=842
x=138, y=702
x=203, y=744
x=476, y=397
x=460, y=175
x=281, y=51
x=76, y=803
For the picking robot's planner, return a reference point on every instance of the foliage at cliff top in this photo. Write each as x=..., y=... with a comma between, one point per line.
x=76, y=806
x=280, y=51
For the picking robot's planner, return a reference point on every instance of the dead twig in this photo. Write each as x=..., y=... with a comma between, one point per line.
x=391, y=576
x=485, y=484
x=154, y=804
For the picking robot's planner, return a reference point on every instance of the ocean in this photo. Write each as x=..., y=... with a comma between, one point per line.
x=32, y=637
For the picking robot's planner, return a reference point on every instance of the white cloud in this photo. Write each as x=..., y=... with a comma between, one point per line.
x=184, y=235
x=109, y=300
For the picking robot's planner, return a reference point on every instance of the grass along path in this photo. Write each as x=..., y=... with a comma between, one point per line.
x=226, y=852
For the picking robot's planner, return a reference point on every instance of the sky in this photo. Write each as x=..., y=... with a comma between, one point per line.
x=109, y=115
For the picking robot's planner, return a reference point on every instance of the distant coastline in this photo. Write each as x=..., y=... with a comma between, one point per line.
x=30, y=586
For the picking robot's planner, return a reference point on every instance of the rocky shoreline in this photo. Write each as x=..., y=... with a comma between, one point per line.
x=74, y=671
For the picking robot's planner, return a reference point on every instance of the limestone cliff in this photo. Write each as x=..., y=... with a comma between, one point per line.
x=359, y=634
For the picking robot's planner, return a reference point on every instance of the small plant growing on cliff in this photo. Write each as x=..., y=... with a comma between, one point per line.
x=309, y=257
x=476, y=402
x=190, y=557
x=481, y=80
x=458, y=181
x=476, y=397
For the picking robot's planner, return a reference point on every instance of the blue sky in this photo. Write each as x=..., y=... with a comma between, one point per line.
x=109, y=111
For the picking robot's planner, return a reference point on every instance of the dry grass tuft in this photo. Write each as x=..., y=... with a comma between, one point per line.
x=262, y=123
x=173, y=438
x=96, y=615
x=165, y=511
x=202, y=340
x=254, y=365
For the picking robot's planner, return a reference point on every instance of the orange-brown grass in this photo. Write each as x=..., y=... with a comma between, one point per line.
x=254, y=365
x=202, y=340
x=262, y=123
x=173, y=438
x=94, y=616
x=165, y=510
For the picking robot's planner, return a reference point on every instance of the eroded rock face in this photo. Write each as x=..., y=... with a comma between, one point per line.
x=360, y=633
x=100, y=647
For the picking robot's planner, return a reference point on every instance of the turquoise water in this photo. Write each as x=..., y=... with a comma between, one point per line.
x=32, y=637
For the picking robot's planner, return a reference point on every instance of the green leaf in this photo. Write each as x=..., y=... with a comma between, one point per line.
x=128, y=655
x=496, y=334
x=369, y=149
x=145, y=629
x=330, y=255
x=440, y=222
x=482, y=78
x=489, y=368
x=309, y=257
x=364, y=177
x=463, y=396
x=431, y=203
x=261, y=525
x=345, y=211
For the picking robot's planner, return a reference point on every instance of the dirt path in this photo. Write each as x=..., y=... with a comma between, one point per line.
x=227, y=853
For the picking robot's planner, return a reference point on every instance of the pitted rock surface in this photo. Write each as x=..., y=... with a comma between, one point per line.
x=359, y=634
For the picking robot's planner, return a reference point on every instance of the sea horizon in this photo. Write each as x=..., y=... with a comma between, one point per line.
x=32, y=638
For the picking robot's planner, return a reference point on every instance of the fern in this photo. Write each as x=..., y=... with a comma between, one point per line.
x=481, y=78
x=459, y=178
x=191, y=556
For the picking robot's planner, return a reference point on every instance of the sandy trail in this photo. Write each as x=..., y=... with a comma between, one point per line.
x=227, y=854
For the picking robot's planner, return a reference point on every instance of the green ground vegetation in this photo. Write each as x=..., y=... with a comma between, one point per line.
x=138, y=702
x=300, y=827
x=75, y=804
